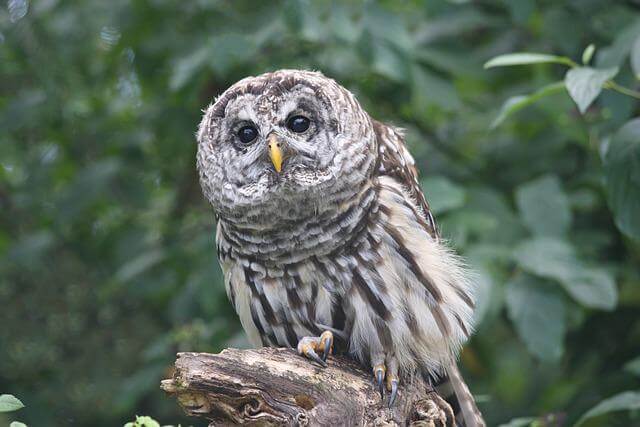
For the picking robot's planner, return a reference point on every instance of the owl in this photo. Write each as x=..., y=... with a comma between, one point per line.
x=325, y=238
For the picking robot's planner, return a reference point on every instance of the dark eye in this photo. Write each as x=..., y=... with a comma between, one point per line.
x=298, y=124
x=247, y=134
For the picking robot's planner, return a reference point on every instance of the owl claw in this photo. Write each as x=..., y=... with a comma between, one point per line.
x=394, y=392
x=327, y=337
x=379, y=380
x=311, y=354
x=309, y=347
x=386, y=370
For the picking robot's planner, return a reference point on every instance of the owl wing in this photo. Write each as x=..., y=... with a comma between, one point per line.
x=394, y=160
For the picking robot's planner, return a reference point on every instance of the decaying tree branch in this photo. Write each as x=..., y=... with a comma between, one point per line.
x=270, y=386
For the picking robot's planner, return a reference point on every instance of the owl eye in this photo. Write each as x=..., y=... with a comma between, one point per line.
x=298, y=124
x=246, y=134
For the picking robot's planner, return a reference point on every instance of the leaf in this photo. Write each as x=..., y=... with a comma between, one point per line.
x=628, y=400
x=622, y=178
x=9, y=402
x=555, y=259
x=633, y=366
x=442, y=194
x=593, y=288
x=544, y=207
x=545, y=257
x=538, y=314
x=517, y=103
x=143, y=422
x=524, y=58
x=585, y=84
x=588, y=54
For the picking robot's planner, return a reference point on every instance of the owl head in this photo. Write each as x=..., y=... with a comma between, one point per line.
x=281, y=147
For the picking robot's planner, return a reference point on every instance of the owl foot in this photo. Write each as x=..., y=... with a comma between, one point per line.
x=309, y=347
x=388, y=370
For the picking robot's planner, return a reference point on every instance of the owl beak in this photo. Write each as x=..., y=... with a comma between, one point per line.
x=275, y=152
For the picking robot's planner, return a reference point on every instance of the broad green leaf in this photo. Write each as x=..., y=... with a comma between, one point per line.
x=628, y=400
x=9, y=402
x=544, y=206
x=547, y=257
x=524, y=58
x=622, y=175
x=17, y=424
x=443, y=195
x=555, y=259
x=588, y=54
x=633, y=366
x=519, y=422
x=592, y=287
x=538, y=315
x=584, y=84
x=517, y=103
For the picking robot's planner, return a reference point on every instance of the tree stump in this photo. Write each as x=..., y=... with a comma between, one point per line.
x=276, y=386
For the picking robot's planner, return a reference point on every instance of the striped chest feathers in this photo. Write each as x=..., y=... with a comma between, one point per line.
x=390, y=282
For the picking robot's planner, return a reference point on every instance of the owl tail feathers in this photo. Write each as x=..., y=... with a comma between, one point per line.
x=453, y=389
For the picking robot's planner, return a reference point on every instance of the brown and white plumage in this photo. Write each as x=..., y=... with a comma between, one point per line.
x=341, y=239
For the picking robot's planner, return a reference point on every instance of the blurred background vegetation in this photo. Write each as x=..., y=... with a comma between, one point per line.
x=107, y=262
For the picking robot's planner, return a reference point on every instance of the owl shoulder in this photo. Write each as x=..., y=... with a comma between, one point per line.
x=395, y=161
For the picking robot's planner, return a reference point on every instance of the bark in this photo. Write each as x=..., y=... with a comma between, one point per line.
x=276, y=386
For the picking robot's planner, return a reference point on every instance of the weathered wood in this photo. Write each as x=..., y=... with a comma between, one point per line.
x=276, y=386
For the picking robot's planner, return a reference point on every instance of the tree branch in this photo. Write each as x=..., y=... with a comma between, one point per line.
x=276, y=386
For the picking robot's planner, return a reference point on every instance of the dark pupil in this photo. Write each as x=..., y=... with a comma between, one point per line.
x=247, y=134
x=298, y=124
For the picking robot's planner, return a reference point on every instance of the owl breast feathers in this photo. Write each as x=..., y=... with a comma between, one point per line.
x=322, y=226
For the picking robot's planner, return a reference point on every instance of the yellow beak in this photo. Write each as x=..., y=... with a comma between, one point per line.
x=275, y=152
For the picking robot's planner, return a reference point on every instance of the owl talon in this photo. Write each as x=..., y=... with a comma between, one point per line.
x=311, y=354
x=394, y=392
x=309, y=347
x=379, y=381
x=327, y=337
x=379, y=369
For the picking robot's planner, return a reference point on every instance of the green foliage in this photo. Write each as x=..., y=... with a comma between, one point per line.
x=622, y=173
x=143, y=422
x=9, y=402
x=628, y=400
x=107, y=263
x=538, y=315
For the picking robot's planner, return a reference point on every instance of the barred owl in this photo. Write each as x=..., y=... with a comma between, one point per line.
x=324, y=236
